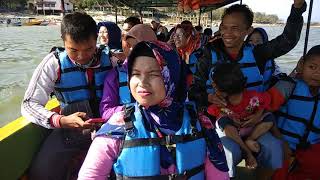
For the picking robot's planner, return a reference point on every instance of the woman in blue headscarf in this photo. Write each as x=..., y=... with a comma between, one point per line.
x=272, y=71
x=109, y=35
x=159, y=137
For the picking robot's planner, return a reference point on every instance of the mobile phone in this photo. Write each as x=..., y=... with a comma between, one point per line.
x=95, y=120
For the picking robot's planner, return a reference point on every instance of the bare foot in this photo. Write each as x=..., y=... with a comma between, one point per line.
x=253, y=145
x=251, y=161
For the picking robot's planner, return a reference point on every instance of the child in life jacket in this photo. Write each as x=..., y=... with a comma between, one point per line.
x=299, y=118
x=160, y=136
x=244, y=119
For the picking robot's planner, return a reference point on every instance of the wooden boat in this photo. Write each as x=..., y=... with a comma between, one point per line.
x=19, y=142
x=31, y=22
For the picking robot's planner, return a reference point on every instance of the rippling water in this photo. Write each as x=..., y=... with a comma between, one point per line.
x=22, y=48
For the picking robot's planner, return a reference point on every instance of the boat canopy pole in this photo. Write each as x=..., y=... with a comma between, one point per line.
x=116, y=15
x=63, y=12
x=211, y=19
x=141, y=15
x=199, y=21
x=308, y=29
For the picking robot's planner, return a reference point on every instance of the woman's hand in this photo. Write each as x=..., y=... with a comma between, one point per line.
x=298, y=3
x=75, y=120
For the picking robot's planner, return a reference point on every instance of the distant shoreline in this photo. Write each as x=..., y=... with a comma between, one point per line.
x=99, y=16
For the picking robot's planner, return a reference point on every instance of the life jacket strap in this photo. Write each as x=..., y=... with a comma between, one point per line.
x=193, y=118
x=165, y=141
x=128, y=111
x=184, y=176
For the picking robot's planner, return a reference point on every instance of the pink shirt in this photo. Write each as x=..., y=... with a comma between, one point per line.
x=104, y=151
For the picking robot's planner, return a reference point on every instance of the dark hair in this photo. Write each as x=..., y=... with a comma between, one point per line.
x=79, y=26
x=198, y=28
x=132, y=20
x=114, y=34
x=208, y=32
x=140, y=49
x=314, y=51
x=186, y=22
x=229, y=78
x=242, y=9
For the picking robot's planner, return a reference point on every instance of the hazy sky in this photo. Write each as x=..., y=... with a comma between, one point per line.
x=281, y=8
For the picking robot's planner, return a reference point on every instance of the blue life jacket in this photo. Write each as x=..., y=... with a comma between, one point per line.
x=125, y=96
x=248, y=67
x=73, y=86
x=140, y=154
x=193, y=60
x=267, y=74
x=299, y=119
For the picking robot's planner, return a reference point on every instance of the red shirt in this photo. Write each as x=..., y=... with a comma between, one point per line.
x=251, y=102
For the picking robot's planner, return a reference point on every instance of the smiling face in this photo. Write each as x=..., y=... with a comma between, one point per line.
x=233, y=30
x=81, y=52
x=103, y=35
x=146, y=82
x=255, y=38
x=180, y=40
x=311, y=71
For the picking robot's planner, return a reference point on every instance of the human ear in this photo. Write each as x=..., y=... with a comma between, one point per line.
x=250, y=30
x=300, y=64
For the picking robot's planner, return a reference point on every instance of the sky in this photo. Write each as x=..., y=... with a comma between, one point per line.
x=282, y=8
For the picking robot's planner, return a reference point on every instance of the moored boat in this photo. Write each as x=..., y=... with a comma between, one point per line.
x=32, y=22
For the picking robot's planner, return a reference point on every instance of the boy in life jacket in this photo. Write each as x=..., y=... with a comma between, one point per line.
x=299, y=118
x=75, y=75
x=243, y=119
x=157, y=138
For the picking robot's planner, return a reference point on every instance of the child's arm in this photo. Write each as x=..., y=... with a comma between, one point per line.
x=100, y=158
x=279, y=94
x=253, y=119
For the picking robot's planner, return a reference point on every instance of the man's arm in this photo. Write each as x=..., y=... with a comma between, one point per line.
x=198, y=90
x=289, y=37
x=38, y=92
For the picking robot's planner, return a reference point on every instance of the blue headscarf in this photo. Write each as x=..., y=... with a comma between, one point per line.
x=262, y=32
x=166, y=117
x=114, y=33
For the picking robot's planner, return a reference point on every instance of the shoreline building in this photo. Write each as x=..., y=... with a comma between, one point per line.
x=46, y=7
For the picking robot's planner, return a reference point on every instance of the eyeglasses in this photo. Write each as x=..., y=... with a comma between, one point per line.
x=178, y=36
x=105, y=32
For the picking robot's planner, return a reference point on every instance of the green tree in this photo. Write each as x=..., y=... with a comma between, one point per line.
x=13, y=5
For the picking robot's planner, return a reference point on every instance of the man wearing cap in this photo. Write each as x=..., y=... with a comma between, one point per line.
x=159, y=30
x=115, y=91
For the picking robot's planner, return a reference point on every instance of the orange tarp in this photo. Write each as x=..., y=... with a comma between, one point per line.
x=187, y=5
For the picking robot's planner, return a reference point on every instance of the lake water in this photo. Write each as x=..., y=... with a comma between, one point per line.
x=22, y=48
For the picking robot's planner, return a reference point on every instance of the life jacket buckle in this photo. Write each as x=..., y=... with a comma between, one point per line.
x=168, y=140
x=172, y=176
x=170, y=144
x=178, y=176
